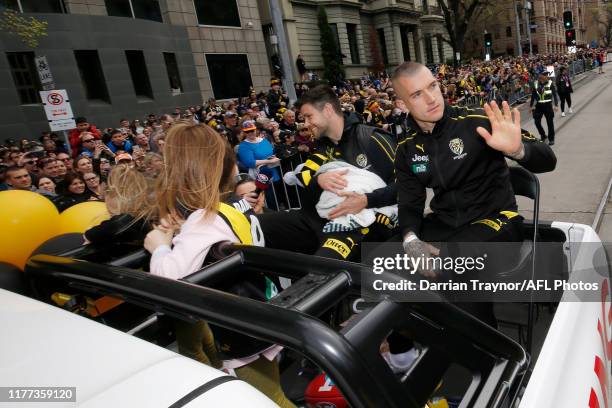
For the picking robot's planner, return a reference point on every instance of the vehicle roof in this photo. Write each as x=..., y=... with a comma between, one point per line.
x=45, y=346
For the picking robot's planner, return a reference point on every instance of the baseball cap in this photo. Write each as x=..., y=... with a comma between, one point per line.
x=230, y=114
x=254, y=105
x=248, y=125
x=123, y=156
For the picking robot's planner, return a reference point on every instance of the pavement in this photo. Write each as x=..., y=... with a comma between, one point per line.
x=583, y=145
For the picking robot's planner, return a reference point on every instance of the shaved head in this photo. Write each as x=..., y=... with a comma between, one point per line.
x=407, y=69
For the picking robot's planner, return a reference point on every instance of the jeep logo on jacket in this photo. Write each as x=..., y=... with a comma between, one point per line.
x=470, y=180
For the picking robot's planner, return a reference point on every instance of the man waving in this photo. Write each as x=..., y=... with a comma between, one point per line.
x=460, y=153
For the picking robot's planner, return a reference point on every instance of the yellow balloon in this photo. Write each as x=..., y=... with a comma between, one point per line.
x=27, y=219
x=83, y=216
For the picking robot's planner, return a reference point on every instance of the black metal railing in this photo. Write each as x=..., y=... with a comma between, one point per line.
x=351, y=357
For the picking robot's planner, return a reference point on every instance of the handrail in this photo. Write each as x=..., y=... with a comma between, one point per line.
x=350, y=358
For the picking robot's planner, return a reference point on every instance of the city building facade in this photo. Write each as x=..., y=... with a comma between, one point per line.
x=545, y=25
x=404, y=30
x=129, y=58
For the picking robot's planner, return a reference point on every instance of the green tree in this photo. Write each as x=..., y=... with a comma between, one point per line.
x=603, y=18
x=29, y=30
x=333, y=70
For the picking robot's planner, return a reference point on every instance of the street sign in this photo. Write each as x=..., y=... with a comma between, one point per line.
x=44, y=73
x=58, y=109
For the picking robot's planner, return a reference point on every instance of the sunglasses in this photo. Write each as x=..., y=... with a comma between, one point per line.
x=88, y=140
x=30, y=162
x=243, y=177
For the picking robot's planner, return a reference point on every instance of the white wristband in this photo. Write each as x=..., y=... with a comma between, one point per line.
x=410, y=238
x=519, y=154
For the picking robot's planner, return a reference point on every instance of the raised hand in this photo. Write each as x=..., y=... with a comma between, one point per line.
x=505, y=133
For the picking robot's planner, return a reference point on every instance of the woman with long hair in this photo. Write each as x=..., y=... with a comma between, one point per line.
x=198, y=176
x=94, y=186
x=73, y=191
x=46, y=183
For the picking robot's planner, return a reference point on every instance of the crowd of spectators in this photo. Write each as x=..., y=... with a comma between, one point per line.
x=262, y=129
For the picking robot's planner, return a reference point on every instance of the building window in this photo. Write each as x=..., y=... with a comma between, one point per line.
x=404, y=32
x=334, y=28
x=145, y=9
x=440, y=49
x=229, y=74
x=508, y=31
x=92, y=76
x=25, y=76
x=34, y=6
x=138, y=72
x=382, y=43
x=174, y=76
x=211, y=13
x=429, y=49
x=351, y=30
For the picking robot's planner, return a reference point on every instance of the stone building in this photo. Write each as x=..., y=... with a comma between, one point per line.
x=128, y=58
x=404, y=30
x=545, y=22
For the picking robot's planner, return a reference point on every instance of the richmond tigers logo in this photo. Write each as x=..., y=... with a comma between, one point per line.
x=456, y=146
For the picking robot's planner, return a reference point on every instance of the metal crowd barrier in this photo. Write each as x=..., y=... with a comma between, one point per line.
x=290, y=196
x=518, y=94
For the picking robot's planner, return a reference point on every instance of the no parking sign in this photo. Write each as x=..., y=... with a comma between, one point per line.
x=58, y=109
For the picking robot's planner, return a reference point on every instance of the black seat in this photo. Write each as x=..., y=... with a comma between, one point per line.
x=526, y=184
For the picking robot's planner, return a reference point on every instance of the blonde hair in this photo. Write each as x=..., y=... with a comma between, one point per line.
x=199, y=167
x=127, y=190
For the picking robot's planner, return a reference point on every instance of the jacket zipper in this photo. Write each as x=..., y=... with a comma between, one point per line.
x=454, y=199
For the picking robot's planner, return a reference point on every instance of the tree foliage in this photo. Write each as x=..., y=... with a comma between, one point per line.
x=458, y=15
x=29, y=30
x=333, y=70
x=603, y=17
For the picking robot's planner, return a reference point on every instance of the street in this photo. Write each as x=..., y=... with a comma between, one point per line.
x=583, y=146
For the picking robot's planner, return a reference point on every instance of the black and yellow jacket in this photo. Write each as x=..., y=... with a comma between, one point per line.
x=470, y=180
x=239, y=216
x=362, y=146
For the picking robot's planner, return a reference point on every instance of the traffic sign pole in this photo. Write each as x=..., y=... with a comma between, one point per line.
x=58, y=111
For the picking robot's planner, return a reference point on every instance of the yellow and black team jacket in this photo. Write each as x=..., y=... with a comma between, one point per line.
x=470, y=180
x=238, y=215
x=363, y=146
x=374, y=119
